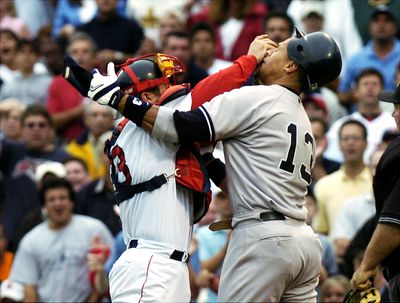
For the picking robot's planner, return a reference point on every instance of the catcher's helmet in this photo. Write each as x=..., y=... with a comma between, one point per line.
x=146, y=72
x=318, y=54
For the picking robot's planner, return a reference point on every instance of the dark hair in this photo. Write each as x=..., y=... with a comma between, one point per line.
x=36, y=110
x=28, y=43
x=81, y=36
x=321, y=121
x=178, y=34
x=76, y=159
x=201, y=26
x=370, y=72
x=10, y=33
x=55, y=182
x=355, y=122
x=282, y=15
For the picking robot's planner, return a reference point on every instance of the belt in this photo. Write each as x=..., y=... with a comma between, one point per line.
x=176, y=255
x=264, y=216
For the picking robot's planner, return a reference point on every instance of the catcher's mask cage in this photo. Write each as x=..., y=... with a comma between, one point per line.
x=318, y=54
x=142, y=73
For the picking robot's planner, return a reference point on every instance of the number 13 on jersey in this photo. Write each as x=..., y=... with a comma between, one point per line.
x=288, y=163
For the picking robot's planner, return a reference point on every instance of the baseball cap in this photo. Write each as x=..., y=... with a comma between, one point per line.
x=382, y=9
x=51, y=167
x=392, y=97
x=312, y=9
x=12, y=290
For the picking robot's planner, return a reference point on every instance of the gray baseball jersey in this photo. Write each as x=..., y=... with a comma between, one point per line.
x=268, y=146
x=269, y=149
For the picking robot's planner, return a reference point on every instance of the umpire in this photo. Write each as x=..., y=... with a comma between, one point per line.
x=384, y=246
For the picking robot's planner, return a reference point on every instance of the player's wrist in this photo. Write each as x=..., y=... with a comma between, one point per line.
x=215, y=168
x=135, y=109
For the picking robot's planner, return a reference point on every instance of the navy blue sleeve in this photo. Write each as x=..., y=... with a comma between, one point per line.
x=194, y=126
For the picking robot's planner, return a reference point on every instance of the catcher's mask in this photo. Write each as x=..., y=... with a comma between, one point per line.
x=143, y=73
x=370, y=295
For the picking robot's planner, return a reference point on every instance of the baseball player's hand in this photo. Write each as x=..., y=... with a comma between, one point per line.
x=260, y=47
x=105, y=89
x=362, y=278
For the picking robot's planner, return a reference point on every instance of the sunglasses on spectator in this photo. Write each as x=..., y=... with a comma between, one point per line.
x=39, y=125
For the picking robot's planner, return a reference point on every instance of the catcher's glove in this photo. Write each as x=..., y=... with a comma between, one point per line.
x=371, y=295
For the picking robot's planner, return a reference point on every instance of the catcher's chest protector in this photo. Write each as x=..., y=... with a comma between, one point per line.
x=190, y=172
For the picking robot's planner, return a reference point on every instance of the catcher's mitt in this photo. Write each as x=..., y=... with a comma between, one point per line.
x=371, y=295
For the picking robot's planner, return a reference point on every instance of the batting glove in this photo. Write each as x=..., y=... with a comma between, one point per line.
x=105, y=90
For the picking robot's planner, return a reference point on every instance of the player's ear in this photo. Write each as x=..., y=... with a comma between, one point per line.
x=146, y=96
x=291, y=66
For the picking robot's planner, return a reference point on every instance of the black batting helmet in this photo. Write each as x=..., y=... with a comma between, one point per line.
x=140, y=74
x=318, y=54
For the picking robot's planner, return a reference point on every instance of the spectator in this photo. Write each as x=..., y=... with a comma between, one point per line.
x=236, y=24
x=8, y=52
x=18, y=162
x=212, y=246
x=96, y=199
x=10, y=119
x=27, y=86
x=353, y=178
x=278, y=26
x=64, y=102
x=315, y=106
x=35, y=14
x=334, y=289
x=353, y=215
x=170, y=22
x=77, y=173
x=44, y=172
x=341, y=26
x=368, y=85
x=69, y=14
x=177, y=44
x=202, y=46
x=6, y=257
x=55, y=250
x=9, y=21
x=312, y=20
x=322, y=166
x=382, y=53
x=52, y=55
x=329, y=266
x=118, y=38
x=98, y=119
x=364, y=10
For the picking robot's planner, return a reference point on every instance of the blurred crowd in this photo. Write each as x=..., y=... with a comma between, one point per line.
x=49, y=133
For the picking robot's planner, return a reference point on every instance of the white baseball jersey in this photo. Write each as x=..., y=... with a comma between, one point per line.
x=268, y=146
x=163, y=215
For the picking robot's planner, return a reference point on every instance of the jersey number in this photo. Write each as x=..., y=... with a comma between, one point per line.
x=287, y=165
x=117, y=151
